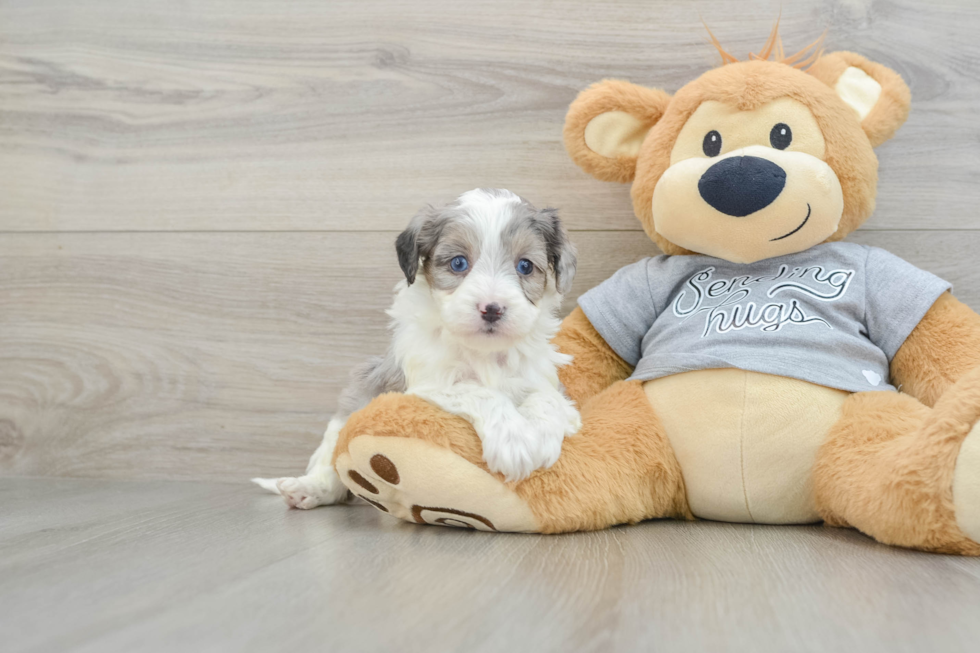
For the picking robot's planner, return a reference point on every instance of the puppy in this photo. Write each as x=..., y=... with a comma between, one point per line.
x=472, y=326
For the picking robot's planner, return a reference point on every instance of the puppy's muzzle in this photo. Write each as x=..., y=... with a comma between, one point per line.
x=491, y=313
x=740, y=185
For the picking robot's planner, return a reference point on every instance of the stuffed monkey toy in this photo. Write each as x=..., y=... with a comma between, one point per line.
x=760, y=370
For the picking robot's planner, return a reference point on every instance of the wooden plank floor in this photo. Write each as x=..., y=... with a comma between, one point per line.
x=89, y=565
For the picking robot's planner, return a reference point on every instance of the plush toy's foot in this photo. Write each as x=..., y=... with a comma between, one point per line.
x=409, y=458
x=411, y=478
x=904, y=473
x=966, y=485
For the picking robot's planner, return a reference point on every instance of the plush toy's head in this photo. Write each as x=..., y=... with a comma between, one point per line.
x=753, y=159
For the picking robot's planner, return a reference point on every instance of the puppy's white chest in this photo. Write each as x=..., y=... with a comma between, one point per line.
x=500, y=378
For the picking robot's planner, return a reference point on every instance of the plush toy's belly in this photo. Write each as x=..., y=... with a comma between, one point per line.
x=746, y=442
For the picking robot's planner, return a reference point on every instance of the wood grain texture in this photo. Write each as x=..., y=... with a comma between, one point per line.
x=258, y=115
x=197, y=201
x=220, y=355
x=154, y=566
x=215, y=355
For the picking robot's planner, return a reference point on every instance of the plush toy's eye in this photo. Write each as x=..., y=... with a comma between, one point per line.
x=781, y=136
x=459, y=264
x=712, y=143
x=525, y=267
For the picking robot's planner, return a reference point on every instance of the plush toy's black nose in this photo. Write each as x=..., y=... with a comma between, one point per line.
x=741, y=185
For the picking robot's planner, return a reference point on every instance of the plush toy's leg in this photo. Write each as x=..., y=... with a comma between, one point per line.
x=408, y=458
x=618, y=469
x=906, y=474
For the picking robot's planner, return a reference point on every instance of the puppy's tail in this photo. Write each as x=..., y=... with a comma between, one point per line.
x=267, y=484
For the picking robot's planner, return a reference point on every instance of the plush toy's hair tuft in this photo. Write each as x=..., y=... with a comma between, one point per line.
x=773, y=48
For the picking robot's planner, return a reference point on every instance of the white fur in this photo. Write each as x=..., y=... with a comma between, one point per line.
x=505, y=382
x=511, y=395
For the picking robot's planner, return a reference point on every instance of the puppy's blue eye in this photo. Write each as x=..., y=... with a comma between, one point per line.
x=459, y=264
x=525, y=267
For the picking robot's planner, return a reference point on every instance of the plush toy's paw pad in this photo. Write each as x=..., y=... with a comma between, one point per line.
x=966, y=486
x=426, y=484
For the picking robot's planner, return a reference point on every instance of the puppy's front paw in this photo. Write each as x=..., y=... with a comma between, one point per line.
x=548, y=411
x=573, y=419
x=515, y=448
x=312, y=490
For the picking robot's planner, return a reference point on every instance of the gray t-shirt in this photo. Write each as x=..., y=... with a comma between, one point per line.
x=834, y=314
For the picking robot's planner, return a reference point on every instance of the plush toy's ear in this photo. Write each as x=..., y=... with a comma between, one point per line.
x=877, y=93
x=606, y=125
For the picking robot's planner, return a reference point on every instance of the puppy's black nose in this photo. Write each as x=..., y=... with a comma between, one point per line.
x=741, y=185
x=491, y=313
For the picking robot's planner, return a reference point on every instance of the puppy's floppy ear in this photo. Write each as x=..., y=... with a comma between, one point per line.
x=606, y=125
x=415, y=243
x=561, y=252
x=878, y=95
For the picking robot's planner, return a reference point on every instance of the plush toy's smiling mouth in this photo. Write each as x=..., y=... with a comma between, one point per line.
x=798, y=228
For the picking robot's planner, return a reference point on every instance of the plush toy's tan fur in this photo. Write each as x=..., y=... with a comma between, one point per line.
x=944, y=347
x=587, y=489
x=646, y=104
x=888, y=464
x=887, y=467
x=892, y=107
x=395, y=415
x=746, y=86
x=598, y=366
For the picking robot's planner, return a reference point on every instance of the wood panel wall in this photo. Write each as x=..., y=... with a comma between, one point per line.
x=198, y=200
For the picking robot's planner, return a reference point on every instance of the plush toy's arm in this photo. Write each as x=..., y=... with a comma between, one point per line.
x=940, y=350
x=595, y=366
